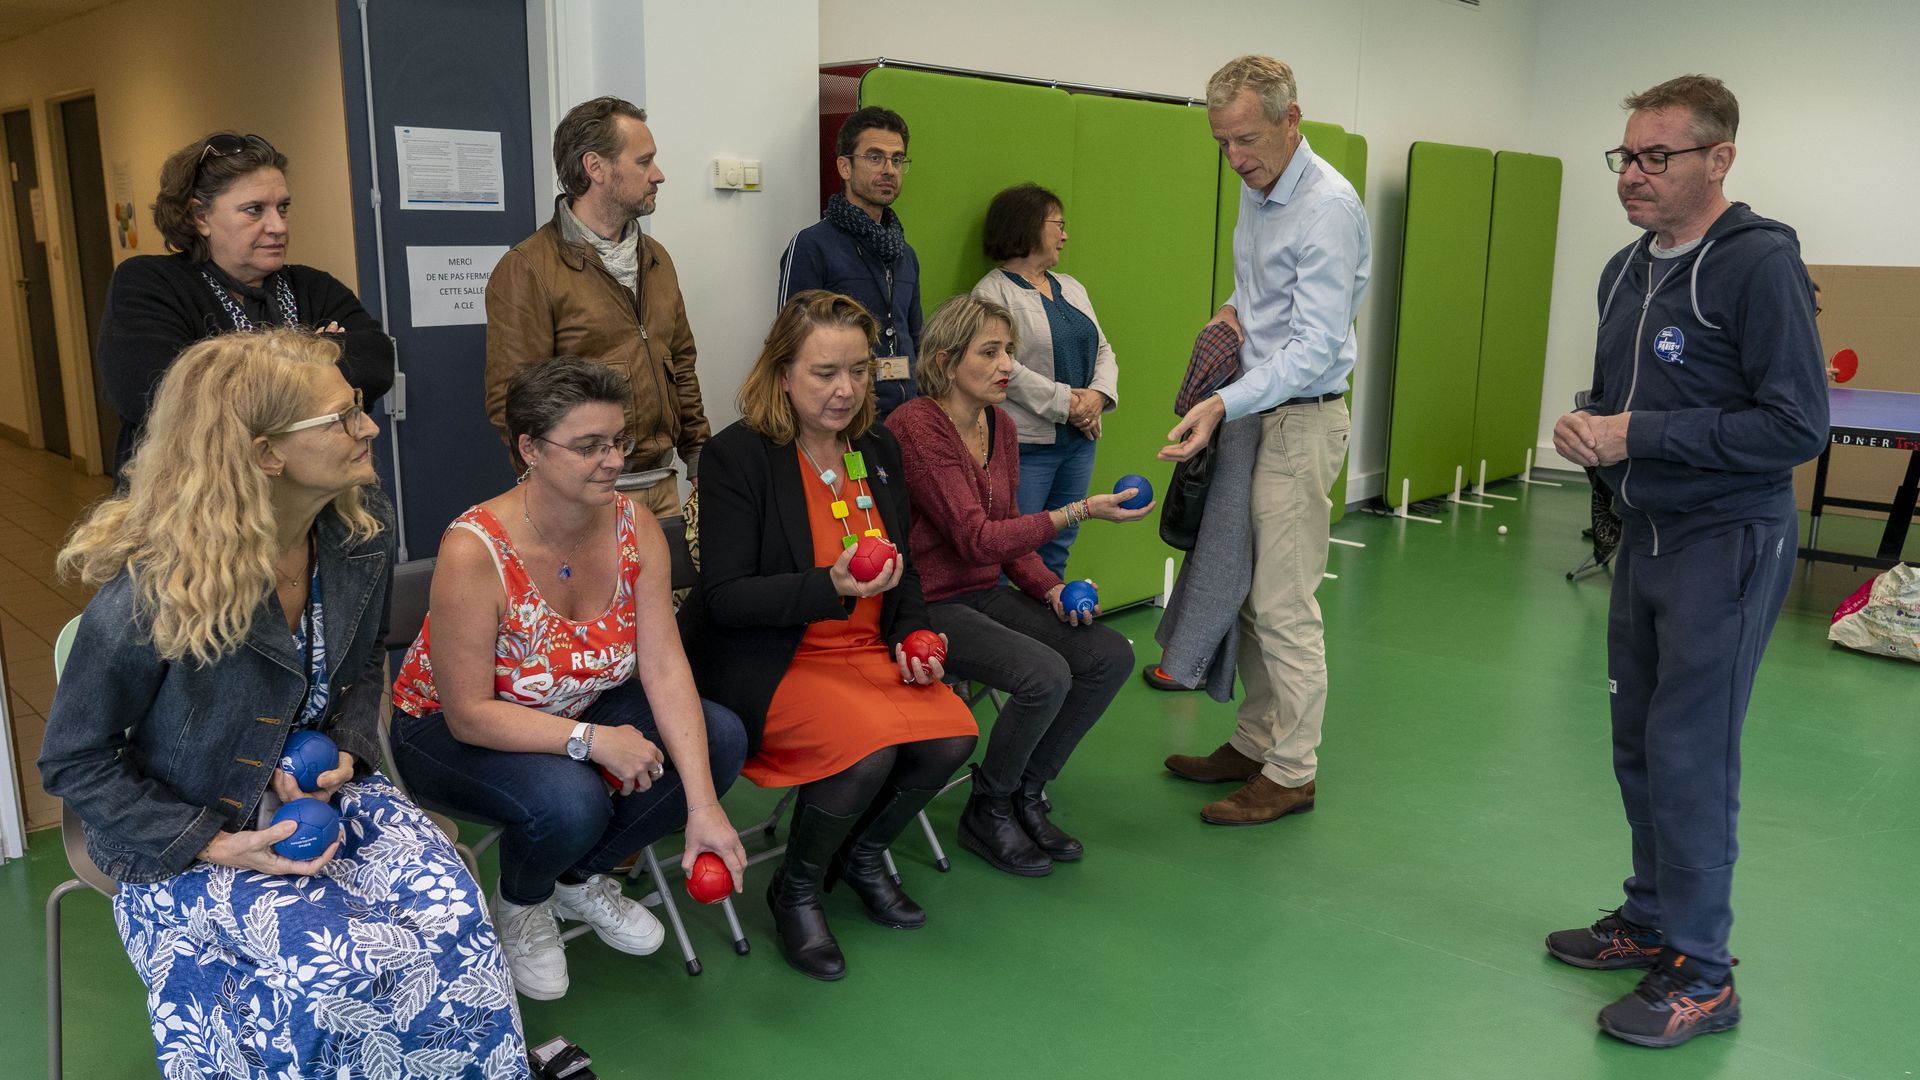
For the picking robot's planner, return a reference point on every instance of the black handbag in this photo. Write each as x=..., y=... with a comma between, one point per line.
x=1186, y=500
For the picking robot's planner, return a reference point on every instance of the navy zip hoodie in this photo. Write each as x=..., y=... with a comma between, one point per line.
x=821, y=256
x=1716, y=356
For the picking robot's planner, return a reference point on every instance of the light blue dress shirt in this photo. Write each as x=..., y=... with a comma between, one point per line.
x=1301, y=259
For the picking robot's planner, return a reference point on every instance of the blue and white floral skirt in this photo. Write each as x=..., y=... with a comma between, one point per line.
x=382, y=965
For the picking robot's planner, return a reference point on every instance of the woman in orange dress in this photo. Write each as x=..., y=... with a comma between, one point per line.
x=781, y=632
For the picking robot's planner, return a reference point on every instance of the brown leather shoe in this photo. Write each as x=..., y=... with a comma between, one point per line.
x=1218, y=767
x=1259, y=802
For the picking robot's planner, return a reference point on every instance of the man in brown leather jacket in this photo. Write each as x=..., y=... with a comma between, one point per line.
x=591, y=284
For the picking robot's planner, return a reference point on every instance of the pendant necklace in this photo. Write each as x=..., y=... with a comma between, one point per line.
x=856, y=465
x=965, y=441
x=566, y=564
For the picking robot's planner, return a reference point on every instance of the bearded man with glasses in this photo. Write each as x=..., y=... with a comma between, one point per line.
x=1708, y=388
x=858, y=248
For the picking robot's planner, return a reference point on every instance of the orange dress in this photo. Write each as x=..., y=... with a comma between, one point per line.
x=841, y=698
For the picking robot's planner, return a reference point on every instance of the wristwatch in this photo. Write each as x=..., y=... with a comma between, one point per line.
x=580, y=743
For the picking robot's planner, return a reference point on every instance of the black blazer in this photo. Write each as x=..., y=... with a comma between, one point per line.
x=758, y=588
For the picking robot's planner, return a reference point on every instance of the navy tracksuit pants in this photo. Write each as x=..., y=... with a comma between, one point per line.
x=1685, y=633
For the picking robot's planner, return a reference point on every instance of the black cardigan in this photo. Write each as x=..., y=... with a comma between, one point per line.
x=758, y=587
x=158, y=305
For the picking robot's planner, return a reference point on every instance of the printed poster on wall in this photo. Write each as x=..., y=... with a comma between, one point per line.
x=448, y=285
x=449, y=169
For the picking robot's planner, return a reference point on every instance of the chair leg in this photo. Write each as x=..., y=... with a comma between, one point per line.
x=740, y=946
x=940, y=860
x=53, y=973
x=672, y=908
x=892, y=870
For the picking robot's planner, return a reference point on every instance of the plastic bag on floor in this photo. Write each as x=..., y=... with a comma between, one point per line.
x=1882, y=616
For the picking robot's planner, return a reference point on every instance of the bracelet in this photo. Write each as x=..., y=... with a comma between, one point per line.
x=702, y=806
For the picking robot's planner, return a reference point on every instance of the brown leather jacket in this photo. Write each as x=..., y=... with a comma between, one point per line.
x=551, y=297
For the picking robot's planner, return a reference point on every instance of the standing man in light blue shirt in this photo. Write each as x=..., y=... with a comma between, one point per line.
x=1301, y=259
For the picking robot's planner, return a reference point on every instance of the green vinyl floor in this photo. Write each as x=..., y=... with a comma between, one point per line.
x=1466, y=808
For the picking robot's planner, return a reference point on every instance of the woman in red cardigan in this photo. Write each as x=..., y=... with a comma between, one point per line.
x=961, y=455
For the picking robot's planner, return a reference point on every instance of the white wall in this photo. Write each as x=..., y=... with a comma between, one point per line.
x=1391, y=70
x=163, y=73
x=1827, y=120
x=740, y=80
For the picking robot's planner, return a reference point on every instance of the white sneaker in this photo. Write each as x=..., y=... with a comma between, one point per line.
x=622, y=923
x=531, y=941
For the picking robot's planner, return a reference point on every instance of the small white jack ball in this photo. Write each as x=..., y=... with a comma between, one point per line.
x=1503, y=530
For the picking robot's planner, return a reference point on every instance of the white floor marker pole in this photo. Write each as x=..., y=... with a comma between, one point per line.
x=1166, y=585
x=1526, y=477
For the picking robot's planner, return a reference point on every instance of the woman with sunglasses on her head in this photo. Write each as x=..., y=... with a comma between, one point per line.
x=243, y=576
x=548, y=691
x=223, y=212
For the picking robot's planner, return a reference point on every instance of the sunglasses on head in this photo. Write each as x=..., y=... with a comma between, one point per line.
x=227, y=144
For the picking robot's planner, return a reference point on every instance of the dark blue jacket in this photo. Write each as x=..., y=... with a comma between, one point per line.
x=822, y=256
x=1716, y=356
x=157, y=756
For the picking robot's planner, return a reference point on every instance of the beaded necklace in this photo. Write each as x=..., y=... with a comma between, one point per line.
x=856, y=465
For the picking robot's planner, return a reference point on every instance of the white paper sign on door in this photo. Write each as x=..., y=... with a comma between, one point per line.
x=449, y=169
x=449, y=284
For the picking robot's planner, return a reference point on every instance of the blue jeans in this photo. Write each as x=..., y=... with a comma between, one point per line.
x=1051, y=477
x=558, y=814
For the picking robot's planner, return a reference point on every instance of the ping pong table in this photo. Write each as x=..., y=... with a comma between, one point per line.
x=1886, y=419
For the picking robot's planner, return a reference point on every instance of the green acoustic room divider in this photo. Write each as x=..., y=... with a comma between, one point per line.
x=1443, y=277
x=1513, y=334
x=1348, y=155
x=1151, y=222
x=1141, y=241
x=971, y=138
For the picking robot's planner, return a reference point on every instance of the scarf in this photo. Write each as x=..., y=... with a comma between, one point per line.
x=621, y=257
x=271, y=304
x=885, y=238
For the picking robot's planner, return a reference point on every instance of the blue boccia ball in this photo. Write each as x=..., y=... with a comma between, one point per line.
x=318, y=826
x=1134, y=480
x=1080, y=596
x=307, y=755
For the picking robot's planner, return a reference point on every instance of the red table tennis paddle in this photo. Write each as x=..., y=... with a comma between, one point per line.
x=1845, y=364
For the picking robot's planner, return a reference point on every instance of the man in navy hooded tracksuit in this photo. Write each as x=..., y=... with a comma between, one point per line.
x=1708, y=388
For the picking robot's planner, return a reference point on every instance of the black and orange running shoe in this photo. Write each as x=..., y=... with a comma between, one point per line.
x=1672, y=1004
x=1607, y=945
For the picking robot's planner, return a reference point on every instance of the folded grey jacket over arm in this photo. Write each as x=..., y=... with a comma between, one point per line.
x=1200, y=631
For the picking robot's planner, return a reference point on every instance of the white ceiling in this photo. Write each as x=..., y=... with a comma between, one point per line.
x=18, y=18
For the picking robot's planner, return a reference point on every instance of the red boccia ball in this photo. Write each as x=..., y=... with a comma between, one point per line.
x=607, y=775
x=870, y=558
x=925, y=646
x=709, y=881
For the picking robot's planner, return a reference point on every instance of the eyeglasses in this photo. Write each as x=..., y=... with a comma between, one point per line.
x=227, y=144
x=876, y=159
x=348, y=419
x=1651, y=162
x=591, y=451
x=1060, y=221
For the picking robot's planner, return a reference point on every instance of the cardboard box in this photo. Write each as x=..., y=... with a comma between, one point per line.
x=1875, y=311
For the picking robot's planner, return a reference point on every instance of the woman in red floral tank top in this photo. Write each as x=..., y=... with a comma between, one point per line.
x=548, y=691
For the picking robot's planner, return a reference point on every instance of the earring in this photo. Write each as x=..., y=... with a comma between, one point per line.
x=522, y=478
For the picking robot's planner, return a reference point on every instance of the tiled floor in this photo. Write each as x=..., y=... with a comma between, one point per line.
x=41, y=496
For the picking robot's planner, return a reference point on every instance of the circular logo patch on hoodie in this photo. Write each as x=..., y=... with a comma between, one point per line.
x=1668, y=344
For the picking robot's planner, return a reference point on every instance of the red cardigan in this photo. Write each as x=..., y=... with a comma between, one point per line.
x=958, y=546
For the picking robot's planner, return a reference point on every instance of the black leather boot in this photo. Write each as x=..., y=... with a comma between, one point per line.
x=794, y=894
x=1030, y=810
x=861, y=866
x=988, y=829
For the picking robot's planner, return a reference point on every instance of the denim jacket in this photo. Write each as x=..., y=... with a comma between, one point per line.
x=158, y=756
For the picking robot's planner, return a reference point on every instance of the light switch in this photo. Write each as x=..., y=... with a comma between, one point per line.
x=734, y=174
